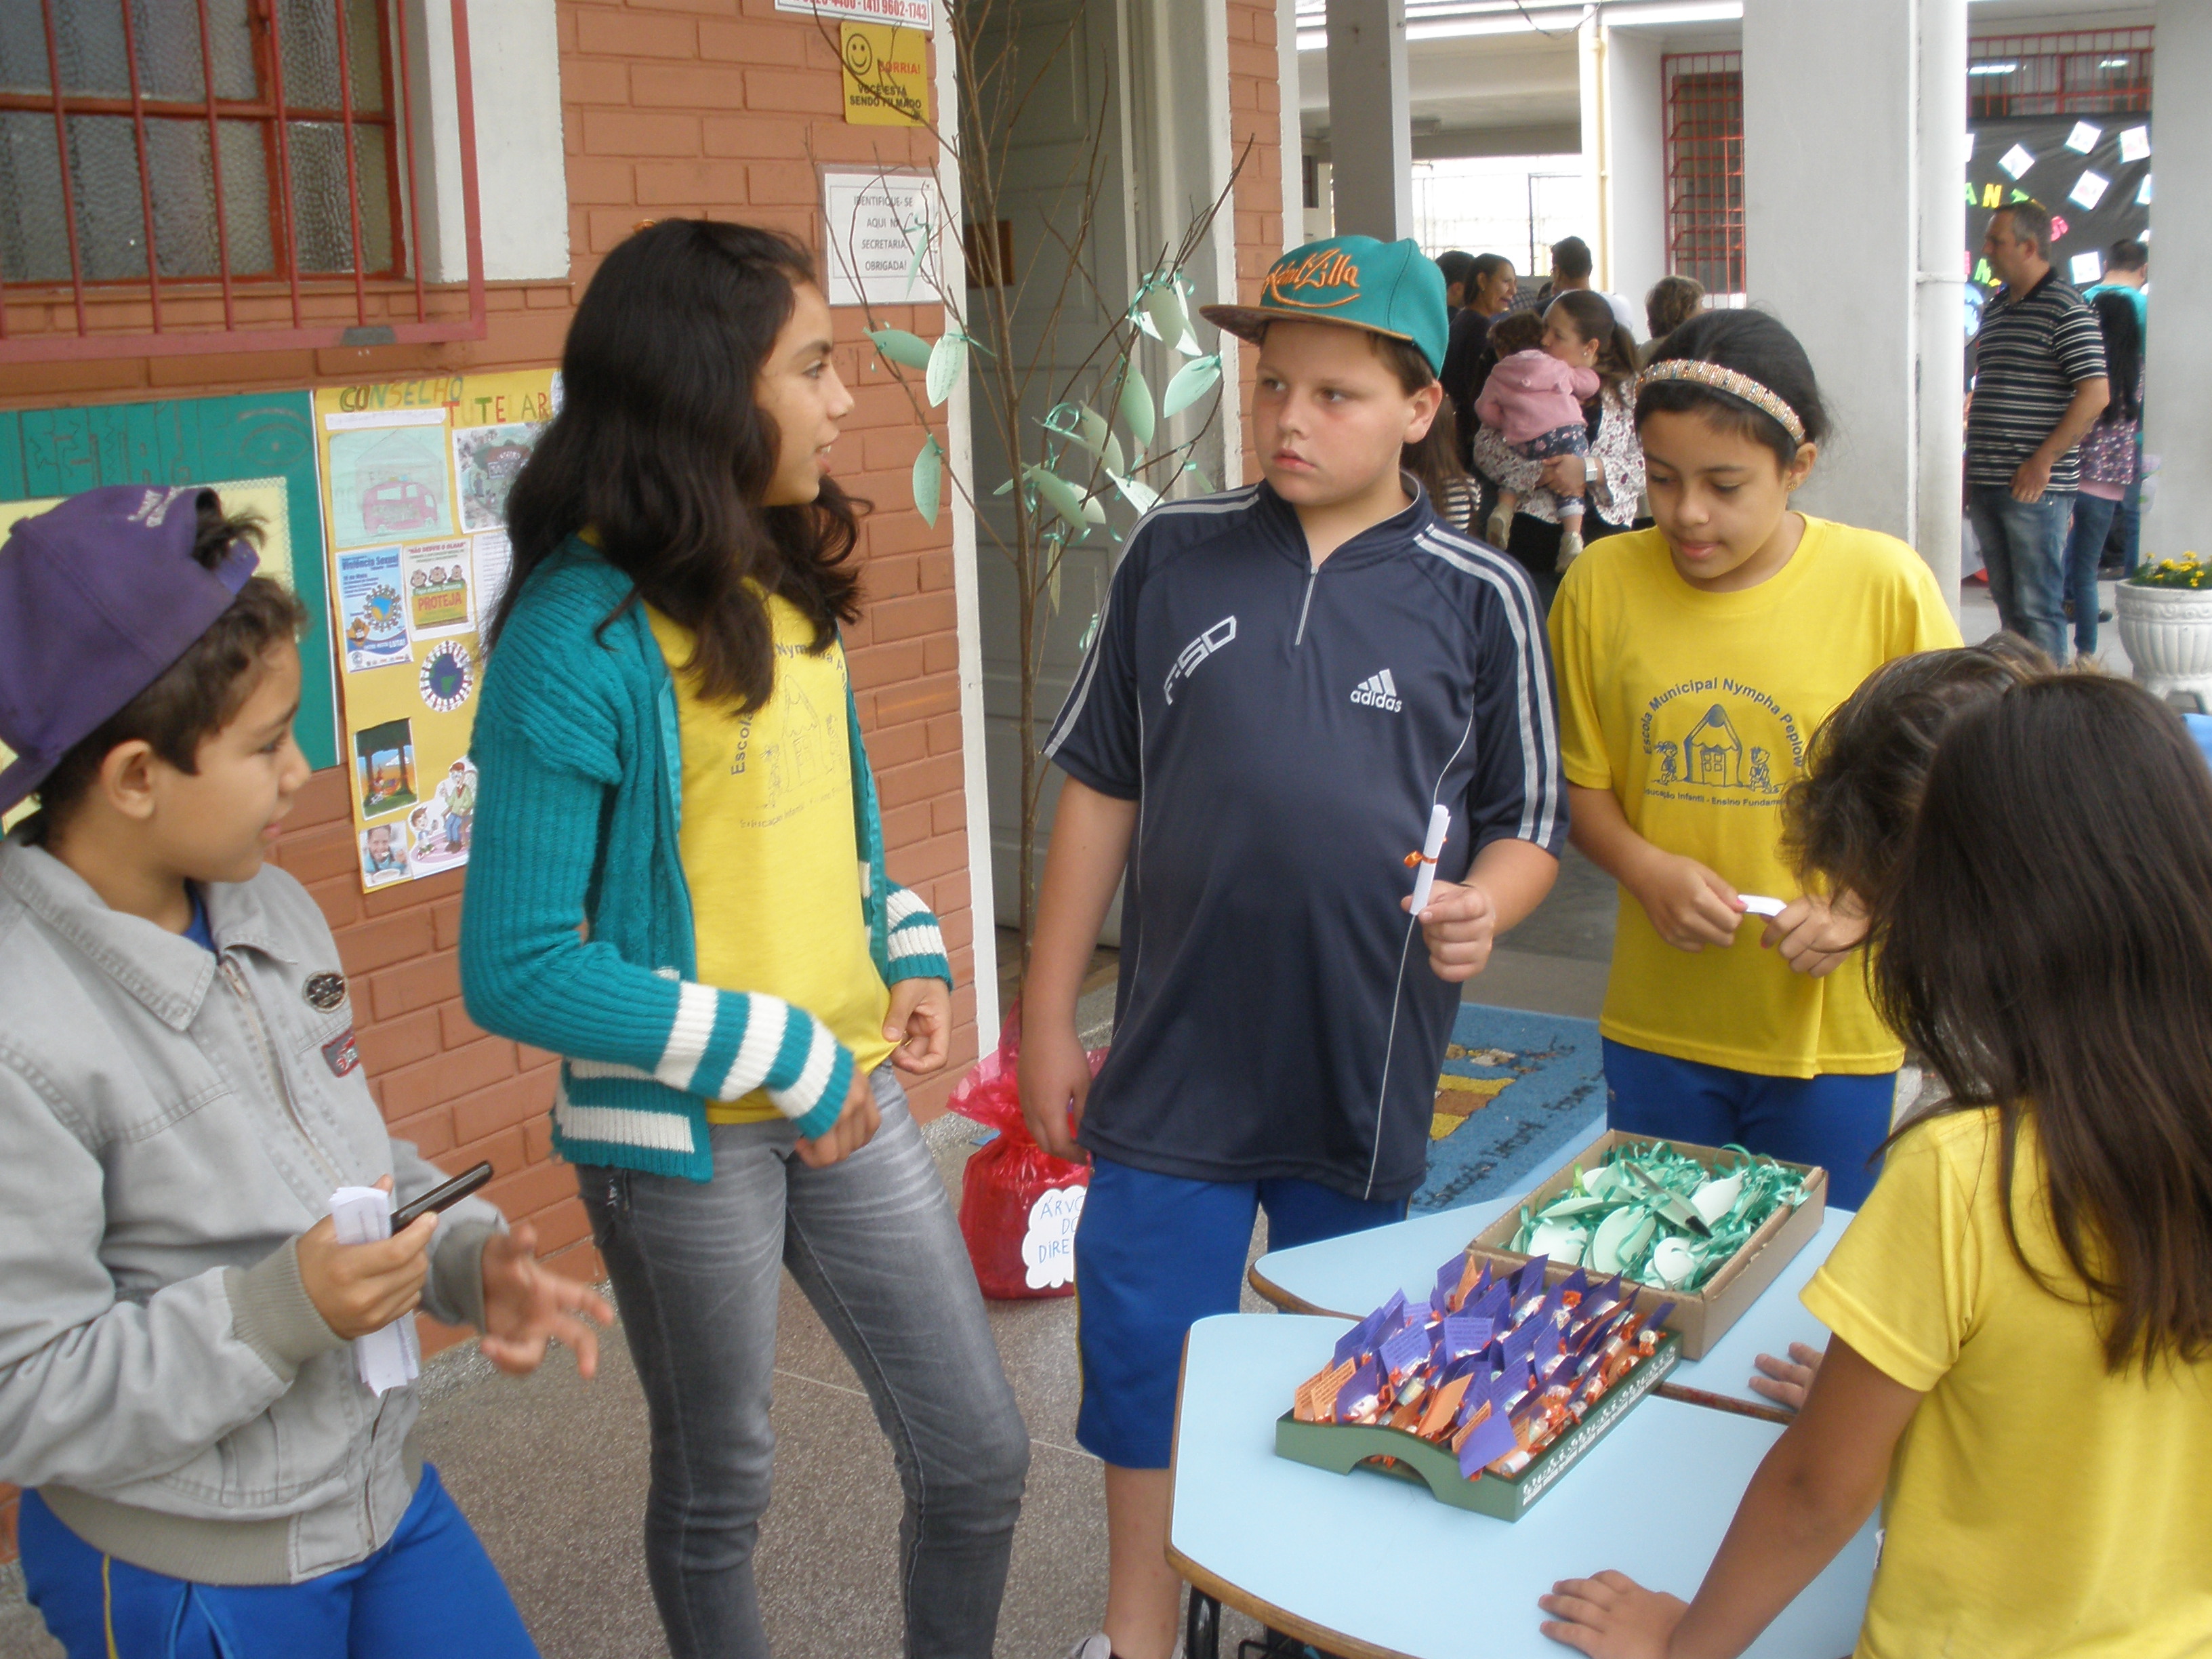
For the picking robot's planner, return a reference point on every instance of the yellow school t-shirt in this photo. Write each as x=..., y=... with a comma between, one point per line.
x=768, y=848
x=2038, y=1506
x=1695, y=710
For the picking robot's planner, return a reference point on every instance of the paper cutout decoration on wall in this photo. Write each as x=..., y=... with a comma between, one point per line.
x=2083, y=139
x=2017, y=160
x=2089, y=189
x=2086, y=268
x=2134, y=145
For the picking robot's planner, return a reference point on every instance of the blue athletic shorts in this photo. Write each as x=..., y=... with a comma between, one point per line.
x=1836, y=1119
x=431, y=1590
x=1154, y=1253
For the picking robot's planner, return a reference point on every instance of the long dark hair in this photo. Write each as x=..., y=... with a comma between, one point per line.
x=2048, y=946
x=1435, y=458
x=2115, y=316
x=1594, y=321
x=1752, y=343
x=662, y=452
x=1846, y=820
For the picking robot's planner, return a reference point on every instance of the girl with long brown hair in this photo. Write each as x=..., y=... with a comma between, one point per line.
x=2022, y=1364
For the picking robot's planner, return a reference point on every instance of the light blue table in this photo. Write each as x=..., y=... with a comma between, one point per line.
x=1373, y=1567
x=1352, y=1275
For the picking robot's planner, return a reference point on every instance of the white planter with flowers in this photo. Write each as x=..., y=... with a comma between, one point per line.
x=2164, y=614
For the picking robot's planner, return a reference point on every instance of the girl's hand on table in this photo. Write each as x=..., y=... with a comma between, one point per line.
x=1787, y=1382
x=1610, y=1617
x=1690, y=907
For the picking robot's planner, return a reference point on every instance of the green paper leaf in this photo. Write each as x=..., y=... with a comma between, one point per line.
x=1115, y=459
x=946, y=359
x=1205, y=483
x=1192, y=381
x=1052, y=586
x=898, y=346
x=1169, y=318
x=1137, y=407
x=1005, y=488
x=1139, y=493
x=929, y=481
x=1061, y=497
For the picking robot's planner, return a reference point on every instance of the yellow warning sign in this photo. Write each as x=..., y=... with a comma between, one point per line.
x=886, y=75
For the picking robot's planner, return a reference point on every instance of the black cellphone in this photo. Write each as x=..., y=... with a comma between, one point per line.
x=442, y=1197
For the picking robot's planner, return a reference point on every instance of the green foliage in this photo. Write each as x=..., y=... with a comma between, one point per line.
x=2187, y=571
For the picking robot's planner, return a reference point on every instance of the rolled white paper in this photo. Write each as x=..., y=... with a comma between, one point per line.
x=390, y=1357
x=1758, y=904
x=1426, y=877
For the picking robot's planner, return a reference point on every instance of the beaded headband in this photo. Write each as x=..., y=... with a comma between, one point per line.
x=1720, y=378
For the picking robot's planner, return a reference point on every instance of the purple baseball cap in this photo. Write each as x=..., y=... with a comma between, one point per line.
x=98, y=597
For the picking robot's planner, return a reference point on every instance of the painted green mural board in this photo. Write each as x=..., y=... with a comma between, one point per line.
x=197, y=441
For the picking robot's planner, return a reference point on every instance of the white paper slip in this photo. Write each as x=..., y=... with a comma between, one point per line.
x=1758, y=904
x=1426, y=877
x=390, y=1357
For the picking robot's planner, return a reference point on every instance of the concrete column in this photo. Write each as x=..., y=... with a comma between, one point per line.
x=1942, y=220
x=2179, y=518
x=1832, y=250
x=1371, y=132
x=1624, y=140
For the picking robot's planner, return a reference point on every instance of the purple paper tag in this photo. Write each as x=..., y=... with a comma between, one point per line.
x=1493, y=1303
x=1576, y=1283
x=1659, y=1317
x=1546, y=1349
x=1491, y=1440
x=1405, y=1353
x=1520, y=1343
x=1529, y=1277
x=1465, y=1333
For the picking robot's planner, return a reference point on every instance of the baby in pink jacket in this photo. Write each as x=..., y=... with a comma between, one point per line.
x=1535, y=400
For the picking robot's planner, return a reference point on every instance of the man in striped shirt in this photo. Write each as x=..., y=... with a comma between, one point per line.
x=2038, y=384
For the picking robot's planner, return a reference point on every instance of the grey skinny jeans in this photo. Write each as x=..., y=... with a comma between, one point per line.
x=872, y=1243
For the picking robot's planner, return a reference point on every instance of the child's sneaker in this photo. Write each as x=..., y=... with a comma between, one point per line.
x=1500, y=527
x=1571, y=547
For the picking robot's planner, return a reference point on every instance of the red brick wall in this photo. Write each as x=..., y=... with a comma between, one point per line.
x=1255, y=117
x=719, y=107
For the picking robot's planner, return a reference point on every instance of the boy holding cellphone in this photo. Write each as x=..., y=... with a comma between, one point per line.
x=180, y=1096
x=1287, y=679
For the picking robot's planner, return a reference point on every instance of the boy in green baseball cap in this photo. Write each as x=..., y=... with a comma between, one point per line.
x=1288, y=681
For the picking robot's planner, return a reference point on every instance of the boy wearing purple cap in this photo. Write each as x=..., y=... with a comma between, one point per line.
x=180, y=1095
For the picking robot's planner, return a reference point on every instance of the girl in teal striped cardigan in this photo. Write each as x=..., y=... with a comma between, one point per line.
x=676, y=884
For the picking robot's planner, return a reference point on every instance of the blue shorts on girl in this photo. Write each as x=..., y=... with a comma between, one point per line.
x=1285, y=729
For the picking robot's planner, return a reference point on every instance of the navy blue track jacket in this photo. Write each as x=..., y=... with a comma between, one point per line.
x=1286, y=730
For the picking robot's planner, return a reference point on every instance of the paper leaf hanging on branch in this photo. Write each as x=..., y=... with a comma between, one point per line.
x=898, y=346
x=1160, y=310
x=1056, y=493
x=929, y=481
x=1137, y=406
x=946, y=359
x=1139, y=493
x=1192, y=381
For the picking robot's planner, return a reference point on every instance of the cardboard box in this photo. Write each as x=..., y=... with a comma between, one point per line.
x=1700, y=1317
x=1341, y=1447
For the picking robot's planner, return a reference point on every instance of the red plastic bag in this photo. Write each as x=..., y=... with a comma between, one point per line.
x=1019, y=1204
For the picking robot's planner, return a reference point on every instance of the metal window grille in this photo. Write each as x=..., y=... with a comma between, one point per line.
x=1703, y=113
x=206, y=175
x=2080, y=72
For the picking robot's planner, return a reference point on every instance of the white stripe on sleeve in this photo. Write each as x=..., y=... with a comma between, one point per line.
x=767, y=1016
x=687, y=1036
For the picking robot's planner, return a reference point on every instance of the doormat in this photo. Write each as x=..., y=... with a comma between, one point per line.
x=1519, y=1092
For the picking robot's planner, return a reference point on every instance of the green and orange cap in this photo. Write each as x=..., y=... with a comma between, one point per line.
x=1390, y=288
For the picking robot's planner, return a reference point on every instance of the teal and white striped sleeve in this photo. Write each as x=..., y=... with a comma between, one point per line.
x=914, y=944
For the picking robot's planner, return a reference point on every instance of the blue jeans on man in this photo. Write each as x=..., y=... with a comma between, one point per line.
x=2024, y=546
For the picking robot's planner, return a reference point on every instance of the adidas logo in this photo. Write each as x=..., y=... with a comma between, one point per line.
x=1378, y=691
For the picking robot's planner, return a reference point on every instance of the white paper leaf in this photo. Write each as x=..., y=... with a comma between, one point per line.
x=946, y=359
x=1139, y=493
x=1137, y=408
x=898, y=346
x=1192, y=381
x=1163, y=307
x=1115, y=459
x=929, y=481
x=1061, y=497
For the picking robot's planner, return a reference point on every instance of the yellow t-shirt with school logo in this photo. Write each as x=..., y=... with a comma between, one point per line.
x=768, y=848
x=2038, y=1505
x=1695, y=709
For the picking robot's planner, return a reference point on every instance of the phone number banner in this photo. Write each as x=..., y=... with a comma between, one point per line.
x=906, y=14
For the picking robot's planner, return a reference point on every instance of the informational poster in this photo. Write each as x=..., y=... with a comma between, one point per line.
x=415, y=475
x=886, y=75
x=908, y=14
x=885, y=231
x=256, y=451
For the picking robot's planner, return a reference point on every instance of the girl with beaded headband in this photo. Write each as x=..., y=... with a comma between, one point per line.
x=1695, y=660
